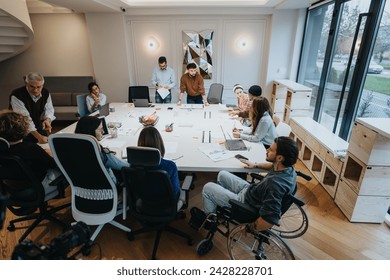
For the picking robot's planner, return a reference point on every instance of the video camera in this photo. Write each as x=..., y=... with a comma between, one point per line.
x=58, y=248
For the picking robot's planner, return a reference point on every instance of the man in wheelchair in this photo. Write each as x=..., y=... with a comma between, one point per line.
x=264, y=198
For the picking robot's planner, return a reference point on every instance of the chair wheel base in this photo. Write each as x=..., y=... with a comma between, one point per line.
x=86, y=250
x=11, y=227
x=190, y=242
x=130, y=236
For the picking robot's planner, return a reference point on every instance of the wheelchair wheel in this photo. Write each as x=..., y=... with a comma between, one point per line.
x=244, y=245
x=204, y=247
x=293, y=223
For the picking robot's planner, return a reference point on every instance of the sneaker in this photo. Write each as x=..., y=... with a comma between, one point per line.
x=197, y=218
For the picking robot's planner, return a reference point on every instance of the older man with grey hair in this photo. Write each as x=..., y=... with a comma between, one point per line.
x=34, y=101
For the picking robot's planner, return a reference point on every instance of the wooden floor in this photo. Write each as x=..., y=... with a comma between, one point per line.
x=330, y=235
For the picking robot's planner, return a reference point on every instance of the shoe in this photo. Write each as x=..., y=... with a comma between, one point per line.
x=197, y=218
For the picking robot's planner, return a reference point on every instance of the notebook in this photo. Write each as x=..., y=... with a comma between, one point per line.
x=104, y=110
x=141, y=103
x=233, y=144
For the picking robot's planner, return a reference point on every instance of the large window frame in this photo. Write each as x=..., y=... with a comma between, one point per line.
x=370, y=31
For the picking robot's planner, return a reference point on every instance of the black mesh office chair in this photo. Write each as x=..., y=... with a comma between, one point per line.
x=215, y=93
x=151, y=198
x=138, y=92
x=94, y=194
x=25, y=192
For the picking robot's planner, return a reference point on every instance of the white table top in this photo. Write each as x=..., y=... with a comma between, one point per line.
x=183, y=143
x=293, y=86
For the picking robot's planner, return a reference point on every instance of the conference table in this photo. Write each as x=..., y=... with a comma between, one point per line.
x=196, y=143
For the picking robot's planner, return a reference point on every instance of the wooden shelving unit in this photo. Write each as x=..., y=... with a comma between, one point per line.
x=364, y=189
x=316, y=150
x=290, y=99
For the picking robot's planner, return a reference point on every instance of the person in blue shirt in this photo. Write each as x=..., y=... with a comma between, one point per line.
x=163, y=76
x=93, y=126
x=150, y=137
x=262, y=128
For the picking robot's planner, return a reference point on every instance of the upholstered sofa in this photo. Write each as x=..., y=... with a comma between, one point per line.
x=64, y=91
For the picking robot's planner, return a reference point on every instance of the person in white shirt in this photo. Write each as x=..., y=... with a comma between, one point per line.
x=95, y=99
x=163, y=77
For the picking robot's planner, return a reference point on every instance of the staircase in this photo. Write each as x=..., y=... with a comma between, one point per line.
x=16, y=33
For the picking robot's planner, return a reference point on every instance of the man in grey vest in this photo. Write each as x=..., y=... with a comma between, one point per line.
x=34, y=101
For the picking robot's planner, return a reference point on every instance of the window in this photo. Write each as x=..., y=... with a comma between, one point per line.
x=337, y=61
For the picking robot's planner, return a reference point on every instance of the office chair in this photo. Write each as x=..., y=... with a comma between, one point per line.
x=25, y=192
x=151, y=198
x=82, y=105
x=138, y=92
x=94, y=194
x=215, y=93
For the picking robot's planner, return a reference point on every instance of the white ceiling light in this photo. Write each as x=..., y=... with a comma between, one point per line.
x=179, y=3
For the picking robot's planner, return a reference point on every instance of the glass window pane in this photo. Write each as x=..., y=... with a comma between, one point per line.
x=375, y=99
x=313, y=50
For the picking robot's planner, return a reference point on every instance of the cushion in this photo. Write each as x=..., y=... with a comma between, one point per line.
x=61, y=98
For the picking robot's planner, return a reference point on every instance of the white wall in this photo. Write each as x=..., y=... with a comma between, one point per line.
x=109, y=47
x=60, y=48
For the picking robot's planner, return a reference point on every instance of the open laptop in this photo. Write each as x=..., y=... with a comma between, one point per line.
x=104, y=110
x=141, y=103
x=233, y=144
x=105, y=128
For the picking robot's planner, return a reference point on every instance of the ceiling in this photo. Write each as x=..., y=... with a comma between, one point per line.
x=110, y=6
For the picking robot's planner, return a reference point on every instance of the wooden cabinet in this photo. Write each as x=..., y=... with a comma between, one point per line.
x=317, y=146
x=290, y=99
x=365, y=176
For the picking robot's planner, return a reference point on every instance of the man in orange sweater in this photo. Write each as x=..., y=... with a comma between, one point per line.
x=193, y=84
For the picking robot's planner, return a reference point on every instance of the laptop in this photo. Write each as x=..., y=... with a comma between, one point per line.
x=141, y=103
x=105, y=128
x=233, y=144
x=104, y=110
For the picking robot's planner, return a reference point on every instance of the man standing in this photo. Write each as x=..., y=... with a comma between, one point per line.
x=34, y=101
x=164, y=79
x=192, y=83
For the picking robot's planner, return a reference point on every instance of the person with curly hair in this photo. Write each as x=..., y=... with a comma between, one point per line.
x=13, y=128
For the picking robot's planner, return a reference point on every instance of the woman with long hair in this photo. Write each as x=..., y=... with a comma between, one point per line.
x=262, y=126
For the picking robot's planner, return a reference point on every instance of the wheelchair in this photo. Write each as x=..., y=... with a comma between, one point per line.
x=244, y=243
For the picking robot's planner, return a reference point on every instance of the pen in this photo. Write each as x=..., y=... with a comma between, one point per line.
x=177, y=158
x=209, y=136
x=203, y=137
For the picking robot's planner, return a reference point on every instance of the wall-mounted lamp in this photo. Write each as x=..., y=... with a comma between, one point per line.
x=152, y=43
x=242, y=43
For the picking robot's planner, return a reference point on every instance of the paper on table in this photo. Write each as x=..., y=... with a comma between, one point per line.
x=113, y=144
x=170, y=147
x=163, y=92
x=215, y=152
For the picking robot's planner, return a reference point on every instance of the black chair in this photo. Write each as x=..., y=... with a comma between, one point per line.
x=94, y=194
x=151, y=198
x=214, y=95
x=26, y=194
x=138, y=92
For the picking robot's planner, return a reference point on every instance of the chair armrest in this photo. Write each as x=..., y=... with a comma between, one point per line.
x=59, y=180
x=61, y=184
x=187, y=183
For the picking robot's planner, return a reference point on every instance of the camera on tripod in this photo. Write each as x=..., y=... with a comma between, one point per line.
x=58, y=248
